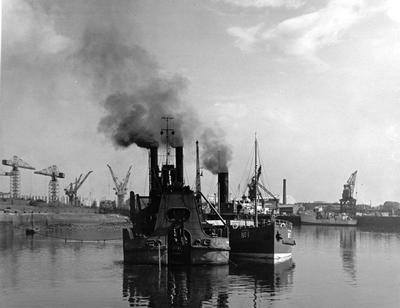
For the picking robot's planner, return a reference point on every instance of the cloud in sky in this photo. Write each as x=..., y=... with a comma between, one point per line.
x=304, y=35
x=317, y=127
x=31, y=28
x=265, y=3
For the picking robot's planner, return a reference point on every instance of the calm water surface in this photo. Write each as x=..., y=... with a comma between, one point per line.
x=331, y=267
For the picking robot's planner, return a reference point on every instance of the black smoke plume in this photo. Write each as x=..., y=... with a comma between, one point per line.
x=216, y=154
x=136, y=118
x=136, y=95
x=140, y=93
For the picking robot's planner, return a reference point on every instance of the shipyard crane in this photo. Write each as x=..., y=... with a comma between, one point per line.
x=15, y=180
x=55, y=174
x=252, y=185
x=348, y=202
x=120, y=187
x=72, y=189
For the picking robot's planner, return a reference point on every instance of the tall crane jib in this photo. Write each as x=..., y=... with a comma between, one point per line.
x=348, y=202
x=72, y=190
x=121, y=187
x=15, y=163
x=55, y=174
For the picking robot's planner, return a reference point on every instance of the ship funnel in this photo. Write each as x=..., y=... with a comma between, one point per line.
x=179, y=164
x=223, y=188
x=154, y=180
x=284, y=192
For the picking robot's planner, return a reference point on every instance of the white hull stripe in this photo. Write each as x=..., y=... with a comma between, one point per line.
x=277, y=257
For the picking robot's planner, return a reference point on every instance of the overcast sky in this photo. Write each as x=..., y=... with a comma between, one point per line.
x=317, y=81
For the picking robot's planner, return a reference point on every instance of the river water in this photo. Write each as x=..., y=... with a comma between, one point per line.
x=331, y=267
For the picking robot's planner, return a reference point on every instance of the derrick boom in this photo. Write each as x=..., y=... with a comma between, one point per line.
x=120, y=187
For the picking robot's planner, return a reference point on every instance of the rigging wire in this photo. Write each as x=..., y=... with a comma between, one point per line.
x=264, y=182
x=249, y=172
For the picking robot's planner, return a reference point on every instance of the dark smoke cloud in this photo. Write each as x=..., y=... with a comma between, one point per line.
x=216, y=154
x=137, y=94
x=112, y=62
x=136, y=118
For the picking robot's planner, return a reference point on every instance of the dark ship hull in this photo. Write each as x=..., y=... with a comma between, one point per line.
x=169, y=230
x=178, y=237
x=271, y=242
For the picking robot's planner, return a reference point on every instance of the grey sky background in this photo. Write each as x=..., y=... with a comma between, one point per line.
x=318, y=81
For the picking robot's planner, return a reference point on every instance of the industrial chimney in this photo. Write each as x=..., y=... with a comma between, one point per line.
x=223, y=188
x=284, y=192
x=179, y=164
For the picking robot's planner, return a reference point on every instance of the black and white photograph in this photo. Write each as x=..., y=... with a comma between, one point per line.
x=200, y=153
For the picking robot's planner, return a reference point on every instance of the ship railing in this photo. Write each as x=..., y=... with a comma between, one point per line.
x=283, y=223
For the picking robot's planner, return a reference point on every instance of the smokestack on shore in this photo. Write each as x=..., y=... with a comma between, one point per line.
x=223, y=188
x=284, y=192
x=179, y=164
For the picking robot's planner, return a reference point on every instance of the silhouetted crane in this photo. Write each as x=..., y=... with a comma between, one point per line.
x=252, y=185
x=120, y=187
x=53, y=172
x=15, y=181
x=348, y=202
x=255, y=182
x=72, y=190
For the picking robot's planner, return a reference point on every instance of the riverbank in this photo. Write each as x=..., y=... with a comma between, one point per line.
x=22, y=214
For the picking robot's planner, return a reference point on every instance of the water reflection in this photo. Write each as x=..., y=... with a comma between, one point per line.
x=217, y=286
x=348, y=251
x=147, y=286
x=267, y=278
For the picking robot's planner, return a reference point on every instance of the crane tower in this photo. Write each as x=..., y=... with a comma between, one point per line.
x=120, y=187
x=348, y=202
x=54, y=173
x=72, y=190
x=15, y=178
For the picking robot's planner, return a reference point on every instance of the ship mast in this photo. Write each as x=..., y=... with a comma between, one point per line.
x=255, y=182
x=167, y=131
x=198, y=174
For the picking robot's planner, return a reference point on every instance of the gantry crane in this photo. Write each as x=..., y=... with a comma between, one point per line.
x=53, y=172
x=348, y=202
x=72, y=190
x=15, y=180
x=120, y=187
